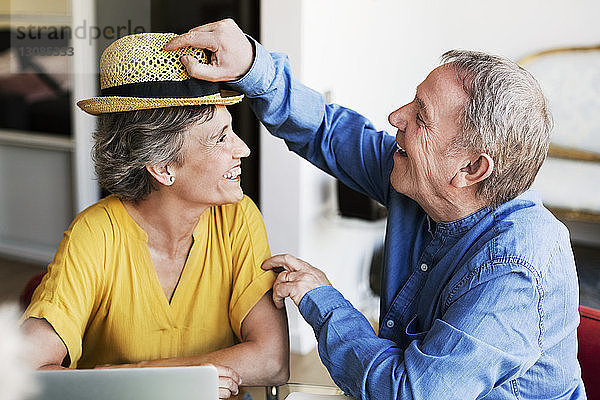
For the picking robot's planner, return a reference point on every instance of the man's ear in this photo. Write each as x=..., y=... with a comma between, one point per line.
x=162, y=173
x=474, y=172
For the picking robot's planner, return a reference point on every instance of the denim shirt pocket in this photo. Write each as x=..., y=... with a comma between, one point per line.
x=413, y=330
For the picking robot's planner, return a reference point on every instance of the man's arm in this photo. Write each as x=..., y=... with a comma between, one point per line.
x=337, y=140
x=489, y=333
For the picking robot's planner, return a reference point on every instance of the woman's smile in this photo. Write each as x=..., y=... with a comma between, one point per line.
x=234, y=173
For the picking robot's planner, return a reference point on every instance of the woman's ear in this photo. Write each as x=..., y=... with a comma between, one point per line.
x=473, y=172
x=162, y=173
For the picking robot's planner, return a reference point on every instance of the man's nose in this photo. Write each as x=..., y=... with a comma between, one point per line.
x=397, y=119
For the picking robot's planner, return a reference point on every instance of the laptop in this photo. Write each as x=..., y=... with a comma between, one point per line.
x=180, y=383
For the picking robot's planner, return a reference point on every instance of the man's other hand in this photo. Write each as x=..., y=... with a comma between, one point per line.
x=296, y=278
x=232, y=53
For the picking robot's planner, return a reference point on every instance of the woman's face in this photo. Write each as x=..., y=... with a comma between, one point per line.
x=211, y=169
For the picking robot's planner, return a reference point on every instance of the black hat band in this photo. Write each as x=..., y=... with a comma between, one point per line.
x=189, y=88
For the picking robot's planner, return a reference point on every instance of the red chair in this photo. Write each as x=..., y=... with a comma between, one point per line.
x=588, y=335
x=27, y=293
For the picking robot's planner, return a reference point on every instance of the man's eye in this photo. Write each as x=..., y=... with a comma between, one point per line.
x=221, y=139
x=420, y=120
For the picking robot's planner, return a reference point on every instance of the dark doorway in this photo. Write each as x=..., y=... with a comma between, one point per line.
x=181, y=16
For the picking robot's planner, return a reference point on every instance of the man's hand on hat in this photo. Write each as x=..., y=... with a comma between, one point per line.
x=296, y=278
x=232, y=52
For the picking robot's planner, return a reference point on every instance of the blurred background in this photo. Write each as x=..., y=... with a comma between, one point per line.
x=365, y=54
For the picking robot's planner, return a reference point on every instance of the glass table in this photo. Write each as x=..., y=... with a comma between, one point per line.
x=283, y=391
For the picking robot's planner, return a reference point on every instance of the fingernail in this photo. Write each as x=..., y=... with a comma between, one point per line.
x=185, y=60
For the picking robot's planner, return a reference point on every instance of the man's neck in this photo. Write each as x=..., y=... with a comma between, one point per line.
x=451, y=208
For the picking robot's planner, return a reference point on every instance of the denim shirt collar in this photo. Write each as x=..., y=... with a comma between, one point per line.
x=459, y=226
x=464, y=224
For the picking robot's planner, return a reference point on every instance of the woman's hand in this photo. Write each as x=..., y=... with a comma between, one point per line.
x=297, y=278
x=229, y=380
x=119, y=366
x=232, y=53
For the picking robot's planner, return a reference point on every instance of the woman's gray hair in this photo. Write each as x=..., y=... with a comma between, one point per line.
x=126, y=142
x=506, y=117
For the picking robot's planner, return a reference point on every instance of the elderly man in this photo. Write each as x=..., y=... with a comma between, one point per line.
x=479, y=291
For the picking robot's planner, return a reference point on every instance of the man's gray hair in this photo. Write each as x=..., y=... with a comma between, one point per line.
x=126, y=142
x=506, y=117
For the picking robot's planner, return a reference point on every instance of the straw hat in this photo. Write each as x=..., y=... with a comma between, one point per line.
x=137, y=74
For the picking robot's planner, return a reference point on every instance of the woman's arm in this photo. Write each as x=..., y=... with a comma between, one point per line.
x=45, y=348
x=263, y=356
x=261, y=359
x=265, y=336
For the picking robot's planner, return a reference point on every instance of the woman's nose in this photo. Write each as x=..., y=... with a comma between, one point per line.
x=241, y=149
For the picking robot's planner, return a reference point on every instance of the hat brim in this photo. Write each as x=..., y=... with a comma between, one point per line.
x=109, y=104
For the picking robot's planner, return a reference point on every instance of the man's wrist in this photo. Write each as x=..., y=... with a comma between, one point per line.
x=317, y=303
x=252, y=57
x=261, y=72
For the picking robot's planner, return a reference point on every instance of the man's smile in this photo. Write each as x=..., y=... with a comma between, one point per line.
x=400, y=150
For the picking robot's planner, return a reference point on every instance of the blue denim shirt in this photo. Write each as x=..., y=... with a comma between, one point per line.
x=485, y=306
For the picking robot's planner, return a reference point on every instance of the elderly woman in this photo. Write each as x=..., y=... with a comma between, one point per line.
x=166, y=270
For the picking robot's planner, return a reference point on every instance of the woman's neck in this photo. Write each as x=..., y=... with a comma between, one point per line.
x=168, y=223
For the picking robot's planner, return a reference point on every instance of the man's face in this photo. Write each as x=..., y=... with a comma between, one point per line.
x=426, y=126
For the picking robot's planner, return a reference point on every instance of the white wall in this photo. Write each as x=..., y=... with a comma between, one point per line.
x=379, y=50
x=370, y=55
x=35, y=197
x=84, y=67
x=46, y=179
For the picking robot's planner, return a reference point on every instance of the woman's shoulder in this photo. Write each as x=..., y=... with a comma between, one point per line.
x=236, y=216
x=245, y=206
x=101, y=216
x=99, y=211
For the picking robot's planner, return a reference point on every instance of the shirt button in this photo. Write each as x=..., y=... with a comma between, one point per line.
x=390, y=323
x=424, y=267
